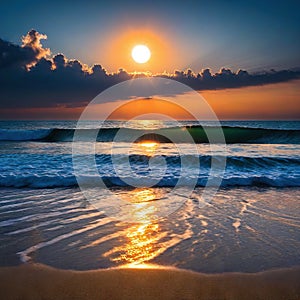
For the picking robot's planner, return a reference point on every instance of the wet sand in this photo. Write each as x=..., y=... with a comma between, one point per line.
x=36, y=281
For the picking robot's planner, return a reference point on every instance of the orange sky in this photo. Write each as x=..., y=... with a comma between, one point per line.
x=141, y=107
x=274, y=102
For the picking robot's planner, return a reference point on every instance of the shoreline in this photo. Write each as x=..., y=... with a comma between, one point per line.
x=37, y=281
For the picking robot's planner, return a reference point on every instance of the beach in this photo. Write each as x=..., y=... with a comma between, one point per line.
x=42, y=282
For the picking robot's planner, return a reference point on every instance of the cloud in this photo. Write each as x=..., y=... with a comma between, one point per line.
x=31, y=51
x=32, y=41
x=226, y=78
x=30, y=77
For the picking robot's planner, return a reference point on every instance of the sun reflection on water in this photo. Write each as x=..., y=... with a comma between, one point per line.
x=142, y=238
x=145, y=124
x=146, y=147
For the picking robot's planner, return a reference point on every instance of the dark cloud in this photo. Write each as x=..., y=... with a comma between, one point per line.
x=226, y=78
x=12, y=55
x=31, y=77
x=23, y=56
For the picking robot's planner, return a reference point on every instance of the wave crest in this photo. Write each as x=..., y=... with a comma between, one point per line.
x=232, y=135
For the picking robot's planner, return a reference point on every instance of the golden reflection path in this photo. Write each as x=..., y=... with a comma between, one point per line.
x=141, y=238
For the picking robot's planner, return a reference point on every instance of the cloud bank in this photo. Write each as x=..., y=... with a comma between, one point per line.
x=31, y=77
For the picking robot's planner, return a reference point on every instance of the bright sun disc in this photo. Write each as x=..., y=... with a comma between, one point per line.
x=141, y=54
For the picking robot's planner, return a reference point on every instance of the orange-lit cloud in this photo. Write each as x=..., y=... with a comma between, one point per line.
x=33, y=40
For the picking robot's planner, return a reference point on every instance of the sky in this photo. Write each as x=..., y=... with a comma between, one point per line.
x=238, y=53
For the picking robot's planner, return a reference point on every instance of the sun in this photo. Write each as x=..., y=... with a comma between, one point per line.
x=140, y=54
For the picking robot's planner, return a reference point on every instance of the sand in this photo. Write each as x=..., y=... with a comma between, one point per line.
x=35, y=281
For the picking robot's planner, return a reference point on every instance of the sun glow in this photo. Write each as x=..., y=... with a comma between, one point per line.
x=140, y=54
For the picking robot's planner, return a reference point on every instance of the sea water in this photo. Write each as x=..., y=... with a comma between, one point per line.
x=251, y=224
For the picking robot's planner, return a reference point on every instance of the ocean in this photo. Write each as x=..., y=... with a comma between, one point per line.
x=251, y=224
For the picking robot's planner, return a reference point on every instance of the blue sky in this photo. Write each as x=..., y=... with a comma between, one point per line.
x=254, y=35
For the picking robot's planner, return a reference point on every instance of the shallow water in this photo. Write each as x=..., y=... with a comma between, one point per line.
x=242, y=229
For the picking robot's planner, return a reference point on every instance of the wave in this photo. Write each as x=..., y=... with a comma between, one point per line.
x=199, y=134
x=24, y=135
x=35, y=181
x=237, y=162
x=46, y=172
